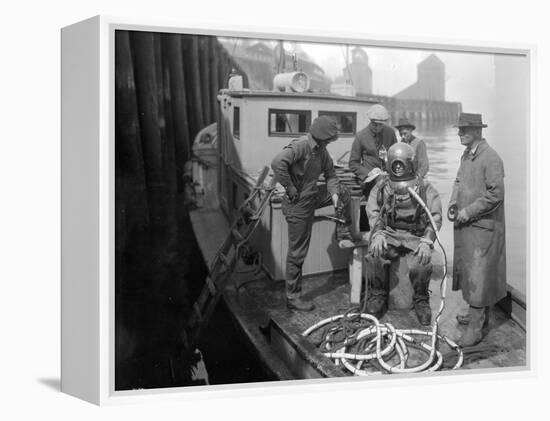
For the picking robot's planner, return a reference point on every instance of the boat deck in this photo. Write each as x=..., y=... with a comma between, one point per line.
x=258, y=306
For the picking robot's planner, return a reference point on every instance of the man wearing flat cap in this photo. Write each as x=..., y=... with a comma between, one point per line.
x=297, y=168
x=370, y=146
x=477, y=210
x=421, y=163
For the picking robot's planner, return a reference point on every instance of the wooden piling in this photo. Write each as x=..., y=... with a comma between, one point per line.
x=204, y=75
x=142, y=44
x=192, y=83
x=174, y=62
x=214, y=79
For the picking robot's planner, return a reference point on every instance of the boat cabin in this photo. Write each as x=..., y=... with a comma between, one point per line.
x=252, y=128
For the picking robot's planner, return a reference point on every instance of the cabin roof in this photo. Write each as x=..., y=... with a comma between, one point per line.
x=306, y=95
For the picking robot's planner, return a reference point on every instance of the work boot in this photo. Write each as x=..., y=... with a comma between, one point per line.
x=299, y=304
x=423, y=312
x=343, y=232
x=473, y=334
x=376, y=304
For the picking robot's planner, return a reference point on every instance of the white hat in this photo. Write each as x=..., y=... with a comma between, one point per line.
x=378, y=112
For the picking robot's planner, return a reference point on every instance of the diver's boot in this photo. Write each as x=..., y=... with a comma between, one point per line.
x=376, y=303
x=464, y=319
x=473, y=334
x=299, y=304
x=423, y=312
x=420, y=278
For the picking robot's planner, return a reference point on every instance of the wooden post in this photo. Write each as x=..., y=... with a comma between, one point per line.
x=355, y=209
x=356, y=266
x=356, y=274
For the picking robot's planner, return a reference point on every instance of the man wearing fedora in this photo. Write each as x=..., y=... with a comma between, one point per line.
x=477, y=210
x=406, y=128
x=369, y=148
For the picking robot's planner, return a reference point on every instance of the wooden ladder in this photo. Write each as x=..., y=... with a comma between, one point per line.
x=248, y=218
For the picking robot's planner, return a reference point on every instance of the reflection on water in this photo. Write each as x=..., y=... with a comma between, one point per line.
x=444, y=152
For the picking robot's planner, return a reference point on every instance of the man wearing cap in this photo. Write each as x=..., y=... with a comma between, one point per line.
x=477, y=209
x=297, y=168
x=406, y=128
x=369, y=148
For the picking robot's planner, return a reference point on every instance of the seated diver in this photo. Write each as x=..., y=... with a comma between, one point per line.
x=400, y=229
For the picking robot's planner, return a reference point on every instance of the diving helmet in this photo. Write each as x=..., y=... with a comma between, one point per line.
x=400, y=163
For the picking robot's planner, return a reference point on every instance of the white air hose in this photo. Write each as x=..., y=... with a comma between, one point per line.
x=385, y=340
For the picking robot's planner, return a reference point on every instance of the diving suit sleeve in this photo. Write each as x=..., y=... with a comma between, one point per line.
x=373, y=210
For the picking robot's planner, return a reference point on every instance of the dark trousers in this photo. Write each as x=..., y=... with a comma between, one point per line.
x=378, y=273
x=299, y=217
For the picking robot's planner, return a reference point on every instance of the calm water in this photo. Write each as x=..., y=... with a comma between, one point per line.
x=444, y=152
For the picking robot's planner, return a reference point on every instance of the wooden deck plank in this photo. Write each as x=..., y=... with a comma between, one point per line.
x=331, y=294
x=262, y=301
x=253, y=325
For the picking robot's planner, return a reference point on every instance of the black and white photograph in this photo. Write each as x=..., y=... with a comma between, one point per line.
x=290, y=209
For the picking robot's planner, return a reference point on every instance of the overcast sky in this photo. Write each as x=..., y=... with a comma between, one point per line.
x=469, y=77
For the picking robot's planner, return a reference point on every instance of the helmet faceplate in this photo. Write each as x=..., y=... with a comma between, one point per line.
x=400, y=164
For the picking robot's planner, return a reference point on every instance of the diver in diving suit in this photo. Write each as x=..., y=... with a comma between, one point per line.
x=401, y=230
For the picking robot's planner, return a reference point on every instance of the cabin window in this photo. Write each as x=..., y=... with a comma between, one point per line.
x=289, y=122
x=347, y=122
x=236, y=122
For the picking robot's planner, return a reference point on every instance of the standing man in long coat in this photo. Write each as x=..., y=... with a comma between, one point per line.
x=477, y=208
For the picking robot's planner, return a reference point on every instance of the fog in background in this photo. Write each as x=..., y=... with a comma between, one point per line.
x=469, y=77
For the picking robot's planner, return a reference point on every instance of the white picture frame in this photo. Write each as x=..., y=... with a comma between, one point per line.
x=88, y=206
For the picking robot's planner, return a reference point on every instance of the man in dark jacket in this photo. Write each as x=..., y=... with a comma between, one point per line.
x=369, y=148
x=406, y=128
x=297, y=168
x=401, y=230
x=477, y=209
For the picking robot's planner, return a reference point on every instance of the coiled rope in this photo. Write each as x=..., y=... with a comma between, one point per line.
x=355, y=338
